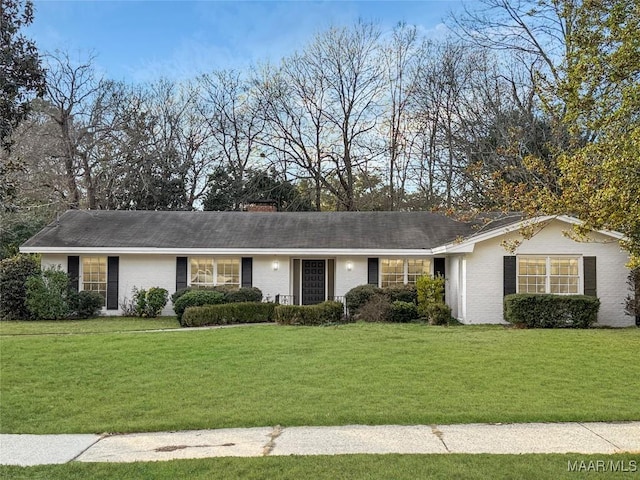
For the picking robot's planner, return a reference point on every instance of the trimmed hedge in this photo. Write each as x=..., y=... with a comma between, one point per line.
x=402, y=293
x=358, y=296
x=320, y=314
x=196, y=298
x=85, y=304
x=228, y=314
x=551, y=311
x=243, y=295
x=403, y=312
x=231, y=294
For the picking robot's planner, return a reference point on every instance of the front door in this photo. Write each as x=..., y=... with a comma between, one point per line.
x=313, y=282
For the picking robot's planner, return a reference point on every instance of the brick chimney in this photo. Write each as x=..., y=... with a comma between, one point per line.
x=261, y=206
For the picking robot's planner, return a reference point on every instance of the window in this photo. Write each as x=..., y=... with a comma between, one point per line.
x=228, y=272
x=558, y=275
x=401, y=271
x=94, y=275
x=392, y=272
x=206, y=272
x=417, y=268
x=202, y=272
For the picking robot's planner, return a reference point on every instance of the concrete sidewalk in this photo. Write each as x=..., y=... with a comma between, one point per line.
x=586, y=438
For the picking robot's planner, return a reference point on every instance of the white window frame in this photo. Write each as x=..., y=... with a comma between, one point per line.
x=405, y=266
x=547, y=283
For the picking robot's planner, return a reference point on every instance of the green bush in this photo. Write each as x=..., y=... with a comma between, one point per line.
x=196, y=298
x=358, y=296
x=321, y=314
x=551, y=311
x=228, y=314
x=243, y=295
x=85, y=304
x=402, y=293
x=47, y=295
x=439, y=314
x=231, y=293
x=145, y=303
x=403, y=312
x=430, y=292
x=14, y=273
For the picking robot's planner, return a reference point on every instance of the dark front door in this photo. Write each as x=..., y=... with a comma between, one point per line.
x=313, y=281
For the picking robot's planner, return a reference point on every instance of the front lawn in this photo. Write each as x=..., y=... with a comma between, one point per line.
x=351, y=374
x=94, y=325
x=398, y=467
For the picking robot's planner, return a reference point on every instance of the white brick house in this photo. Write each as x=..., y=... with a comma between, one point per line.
x=308, y=257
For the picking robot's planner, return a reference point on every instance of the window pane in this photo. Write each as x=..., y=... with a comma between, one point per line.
x=228, y=272
x=417, y=268
x=94, y=275
x=532, y=275
x=392, y=271
x=202, y=271
x=564, y=278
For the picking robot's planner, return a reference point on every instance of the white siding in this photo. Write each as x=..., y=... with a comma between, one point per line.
x=347, y=279
x=484, y=275
x=271, y=282
x=144, y=272
x=48, y=260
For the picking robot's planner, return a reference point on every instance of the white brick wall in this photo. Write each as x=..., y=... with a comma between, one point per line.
x=485, y=275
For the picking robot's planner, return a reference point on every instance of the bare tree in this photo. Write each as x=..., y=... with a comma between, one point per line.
x=322, y=107
x=228, y=105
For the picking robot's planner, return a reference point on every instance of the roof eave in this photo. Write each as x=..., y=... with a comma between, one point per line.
x=229, y=251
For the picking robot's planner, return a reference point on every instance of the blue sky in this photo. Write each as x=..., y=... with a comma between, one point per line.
x=138, y=41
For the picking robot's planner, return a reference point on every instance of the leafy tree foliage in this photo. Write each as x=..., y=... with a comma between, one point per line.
x=14, y=273
x=594, y=105
x=21, y=74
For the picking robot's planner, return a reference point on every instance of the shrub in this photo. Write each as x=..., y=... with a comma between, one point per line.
x=403, y=312
x=47, y=295
x=551, y=311
x=243, y=295
x=402, y=293
x=229, y=313
x=145, y=303
x=196, y=298
x=358, y=296
x=231, y=293
x=321, y=314
x=178, y=293
x=430, y=291
x=376, y=309
x=85, y=304
x=439, y=314
x=14, y=273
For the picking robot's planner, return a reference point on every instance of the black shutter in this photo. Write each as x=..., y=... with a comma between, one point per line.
x=372, y=272
x=247, y=272
x=589, y=264
x=509, y=279
x=113, y=264
x=73, y=271
x=438, y=267
x=181, y=273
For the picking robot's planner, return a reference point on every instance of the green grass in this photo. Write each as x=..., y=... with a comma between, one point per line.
x=398, y=467
x=94, y=325
x=352, y=374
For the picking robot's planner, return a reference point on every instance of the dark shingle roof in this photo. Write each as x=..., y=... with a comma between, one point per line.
x=240, y=230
